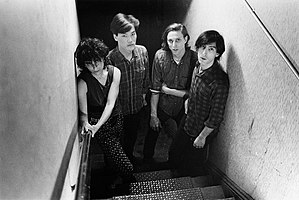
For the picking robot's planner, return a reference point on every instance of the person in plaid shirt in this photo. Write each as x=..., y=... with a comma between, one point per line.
x=171, y=77
x=132, y=60
x=204, y=108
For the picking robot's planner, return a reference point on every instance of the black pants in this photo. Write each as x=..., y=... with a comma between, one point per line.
x=131, y=126
x=188, y=160
x=152, y=135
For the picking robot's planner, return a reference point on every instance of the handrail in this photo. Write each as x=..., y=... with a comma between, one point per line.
x=83, y=189
x=273, y=41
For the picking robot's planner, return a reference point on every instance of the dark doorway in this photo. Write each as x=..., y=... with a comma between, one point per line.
x=154, y=15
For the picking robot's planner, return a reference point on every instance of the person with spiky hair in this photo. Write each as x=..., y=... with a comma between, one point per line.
x=99, y=109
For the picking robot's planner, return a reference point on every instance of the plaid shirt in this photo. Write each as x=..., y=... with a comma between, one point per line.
x=134, y=78
x=175, y=76
x=207, y=99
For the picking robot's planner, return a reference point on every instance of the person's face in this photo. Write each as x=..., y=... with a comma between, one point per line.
x=176, y=42
x=126, y=41
x=207, y=53
x=95, y=66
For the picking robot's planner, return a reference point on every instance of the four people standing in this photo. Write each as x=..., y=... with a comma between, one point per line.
x=107, y=92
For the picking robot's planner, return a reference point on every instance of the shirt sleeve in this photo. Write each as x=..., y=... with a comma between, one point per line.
x=218, y=102
x=156, y=74
x=146, y=80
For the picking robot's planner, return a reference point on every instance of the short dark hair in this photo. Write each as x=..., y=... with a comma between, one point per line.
x=174, y=27
x=209, y=37
x=90, y=49
x=122, y=23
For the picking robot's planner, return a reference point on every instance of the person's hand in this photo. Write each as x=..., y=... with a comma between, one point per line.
x=164, y=88
x=155, y=123
x=186, y=106
x=85, y=128
x=94, y=129
x=199, y=141
x=144, y=102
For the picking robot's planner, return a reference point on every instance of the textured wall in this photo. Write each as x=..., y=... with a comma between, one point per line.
x=258, y=144
x=38, y=108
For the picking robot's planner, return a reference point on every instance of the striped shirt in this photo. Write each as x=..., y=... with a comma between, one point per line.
x=207, y=99
x=134, y=78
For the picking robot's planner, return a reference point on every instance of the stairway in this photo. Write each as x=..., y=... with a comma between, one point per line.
x=154, y=181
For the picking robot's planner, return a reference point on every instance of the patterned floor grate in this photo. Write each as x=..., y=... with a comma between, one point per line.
x=161, y=185
x=185, y=194
x=155, y=175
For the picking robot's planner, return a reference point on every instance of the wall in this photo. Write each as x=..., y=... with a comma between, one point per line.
x=258, y=144
x=38, y=108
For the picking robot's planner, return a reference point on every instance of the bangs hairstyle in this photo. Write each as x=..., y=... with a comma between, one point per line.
x=122, y=23
x=90, y=49
x=174, y=27
x=209, y=37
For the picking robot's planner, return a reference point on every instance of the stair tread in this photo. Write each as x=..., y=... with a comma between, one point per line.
x=153, y=175
x=199, y=181
x=161, y=185
x=189, y=193
x=213, y=192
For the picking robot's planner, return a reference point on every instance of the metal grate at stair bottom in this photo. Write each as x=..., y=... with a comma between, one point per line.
x=185, y=194
x=154, y=175
x=161, y=185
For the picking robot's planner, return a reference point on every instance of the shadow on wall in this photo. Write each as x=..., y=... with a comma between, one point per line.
x=236, y=96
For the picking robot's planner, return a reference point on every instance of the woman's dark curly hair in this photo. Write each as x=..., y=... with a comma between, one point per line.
x=90, y=50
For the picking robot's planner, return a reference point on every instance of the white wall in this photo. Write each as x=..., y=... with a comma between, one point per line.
x=38, y=108
x=258, y=144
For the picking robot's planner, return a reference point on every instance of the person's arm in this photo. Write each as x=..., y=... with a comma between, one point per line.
x=172, y=91
x=220, y=95
x=146, y=80
x=82, y=100
x=155, y=122
x=156, y=87
x=112, y=96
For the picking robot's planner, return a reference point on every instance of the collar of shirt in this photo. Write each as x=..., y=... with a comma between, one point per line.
x=122, y=57
x=200, y=72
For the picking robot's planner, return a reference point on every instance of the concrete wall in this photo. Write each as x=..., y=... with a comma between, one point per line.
x=258, y=144
x=38, y=108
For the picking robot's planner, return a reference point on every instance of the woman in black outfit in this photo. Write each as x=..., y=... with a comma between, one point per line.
x=100, y=112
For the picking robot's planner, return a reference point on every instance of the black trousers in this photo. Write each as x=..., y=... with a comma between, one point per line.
x=152, y=135
x=131, y=126
x=188, y=160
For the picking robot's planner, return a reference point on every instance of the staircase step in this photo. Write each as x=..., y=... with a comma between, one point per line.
x=212, y=192
x=202, y=181
x=164, y=185
x=184, y=194
x=153, y=175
